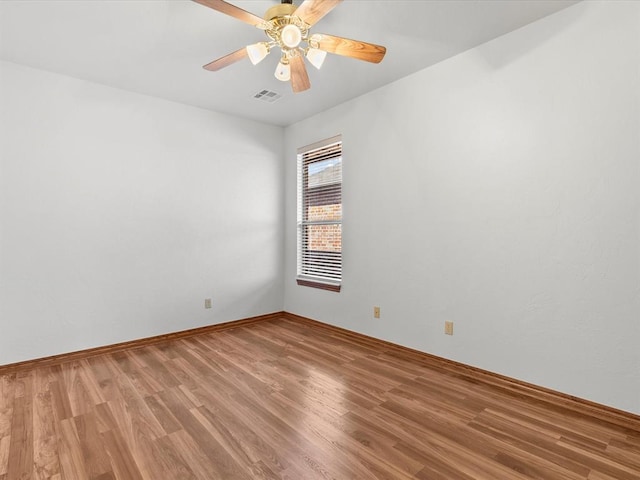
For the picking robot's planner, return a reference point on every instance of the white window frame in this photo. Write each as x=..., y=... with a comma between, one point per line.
x=318, y=269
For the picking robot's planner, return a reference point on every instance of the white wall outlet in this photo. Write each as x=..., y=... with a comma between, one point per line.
x=207, y=303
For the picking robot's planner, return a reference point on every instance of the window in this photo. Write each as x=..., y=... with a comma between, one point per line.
x=320, y=214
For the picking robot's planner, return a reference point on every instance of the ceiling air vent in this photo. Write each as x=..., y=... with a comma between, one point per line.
x=267, y=96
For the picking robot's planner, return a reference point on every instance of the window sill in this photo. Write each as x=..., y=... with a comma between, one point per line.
x=332, y=287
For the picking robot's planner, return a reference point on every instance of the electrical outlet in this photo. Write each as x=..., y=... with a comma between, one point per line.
x=376, y=312
x=207, y=303
x=448, y=328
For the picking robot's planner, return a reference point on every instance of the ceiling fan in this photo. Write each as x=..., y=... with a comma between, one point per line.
x=287, y=27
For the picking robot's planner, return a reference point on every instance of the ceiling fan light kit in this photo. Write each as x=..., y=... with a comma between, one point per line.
x=290, y=36
x=287, y=28
x=316, y=57
x=283, y=72
x=258, y=51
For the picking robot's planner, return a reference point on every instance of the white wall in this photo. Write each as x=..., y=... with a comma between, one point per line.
x=500, y=190
x=120, y=214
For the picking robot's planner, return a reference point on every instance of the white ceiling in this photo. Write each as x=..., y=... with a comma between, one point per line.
x=158, y=47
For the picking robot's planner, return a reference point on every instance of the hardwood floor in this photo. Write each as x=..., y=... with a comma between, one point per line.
x=282, y=399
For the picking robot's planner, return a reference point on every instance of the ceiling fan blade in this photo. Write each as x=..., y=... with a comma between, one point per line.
x=313, y=10
x=350, y=48
x=232, y=10
x=226, y=60
x=299, y=78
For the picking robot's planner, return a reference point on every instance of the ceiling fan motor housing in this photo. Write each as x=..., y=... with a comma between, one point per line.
x=281, y=10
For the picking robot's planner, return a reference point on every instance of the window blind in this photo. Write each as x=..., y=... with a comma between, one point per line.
x=320, y=212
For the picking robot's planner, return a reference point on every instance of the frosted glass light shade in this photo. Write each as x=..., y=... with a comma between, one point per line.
x=291, y=36
x=316, y=57
x=257, y=52
x=283, y=72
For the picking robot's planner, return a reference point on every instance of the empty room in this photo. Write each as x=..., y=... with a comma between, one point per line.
x=319, y=239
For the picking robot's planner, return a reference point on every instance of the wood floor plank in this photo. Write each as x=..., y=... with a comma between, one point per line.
x=95, y=456
x=303, y=457
x=121, y=458
x=171, y=463
x=60, y=399
x=537, y=446
x=224, y=465
x=132, y=413
x=165, y=418
x=201, y=465
x=45, y=432
x=256, y=448
x=138, y=435
x=72, y=463
x=7, y=398
x=104, y=476
x=282, y=399
x=20, y=464
x=4, y=454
